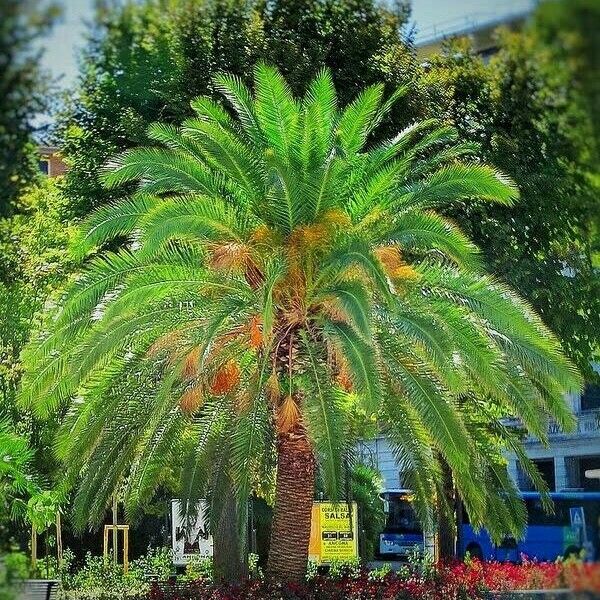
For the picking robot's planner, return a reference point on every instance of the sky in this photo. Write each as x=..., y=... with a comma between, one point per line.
x=62, y=46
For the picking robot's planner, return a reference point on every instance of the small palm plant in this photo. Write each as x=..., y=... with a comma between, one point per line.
x=282, y=276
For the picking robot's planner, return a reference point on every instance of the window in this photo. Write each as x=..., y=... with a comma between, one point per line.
x=590, y=399
x=402, y=516
x=44, y=166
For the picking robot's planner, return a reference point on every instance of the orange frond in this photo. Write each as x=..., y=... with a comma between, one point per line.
x=310, y=237
x=264, y=236
x=191, y=363
x=288, y=415
x=225, y=379
x=390, y=257
x=256, y=336
x=191, y=400
x=344, y=380
x=407, y=273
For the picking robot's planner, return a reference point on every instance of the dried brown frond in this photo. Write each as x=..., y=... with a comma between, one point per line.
x=288, y=415
x=192, y=399
x=256, y=335
x=191, y=364
x=273, y=389
x=225, y=379
x=230, y=256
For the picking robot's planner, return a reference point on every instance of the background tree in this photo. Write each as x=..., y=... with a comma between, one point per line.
x=147, y=61
x=23, y=95
x=521, y=109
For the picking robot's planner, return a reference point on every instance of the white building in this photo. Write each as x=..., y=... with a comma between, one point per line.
x=563, y=463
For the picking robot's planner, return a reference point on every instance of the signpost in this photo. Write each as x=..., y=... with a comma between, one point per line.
x=195, y=541
x=334, y=532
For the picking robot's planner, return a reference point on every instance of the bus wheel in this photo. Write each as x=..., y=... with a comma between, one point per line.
x=475, y=551
x=572, y=551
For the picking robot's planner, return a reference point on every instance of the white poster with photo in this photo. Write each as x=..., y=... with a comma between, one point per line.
x=194, y=542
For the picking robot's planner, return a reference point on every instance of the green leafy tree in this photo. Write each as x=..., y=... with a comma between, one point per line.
x=281, y=271
x=23, y=94
x=16, y=473
x=146, y=61
x=520, y=109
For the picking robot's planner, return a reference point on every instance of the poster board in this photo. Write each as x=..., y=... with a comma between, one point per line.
x=195, y=542
x=334, y=532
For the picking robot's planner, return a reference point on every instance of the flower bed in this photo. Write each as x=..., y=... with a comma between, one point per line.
x=460, y=581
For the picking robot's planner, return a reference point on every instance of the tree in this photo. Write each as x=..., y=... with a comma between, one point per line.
x=281, y=272
x=146, y=61
x=23, y=94
x=521, y=108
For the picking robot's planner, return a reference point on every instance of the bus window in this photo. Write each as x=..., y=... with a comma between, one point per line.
x=403, y=533
x=402, y=517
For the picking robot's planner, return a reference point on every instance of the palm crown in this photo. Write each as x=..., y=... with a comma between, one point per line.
x=280, y=275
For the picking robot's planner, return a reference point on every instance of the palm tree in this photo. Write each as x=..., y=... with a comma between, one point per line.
x=278, y=275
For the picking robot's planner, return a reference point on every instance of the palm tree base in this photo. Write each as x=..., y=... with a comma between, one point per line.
x=290, y=533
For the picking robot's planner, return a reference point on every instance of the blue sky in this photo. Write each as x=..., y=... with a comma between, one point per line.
x=67, y=38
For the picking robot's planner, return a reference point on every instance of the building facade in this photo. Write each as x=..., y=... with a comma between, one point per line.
x=50, y=161
x=562, y=463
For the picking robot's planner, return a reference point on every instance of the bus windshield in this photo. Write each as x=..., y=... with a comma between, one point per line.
x=403, y=534
x=401, y=516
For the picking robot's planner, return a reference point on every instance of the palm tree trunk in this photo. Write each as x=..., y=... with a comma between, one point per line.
x=294, y=494
x=230, y=557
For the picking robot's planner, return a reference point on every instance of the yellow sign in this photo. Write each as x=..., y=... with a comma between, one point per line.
x=334, y=532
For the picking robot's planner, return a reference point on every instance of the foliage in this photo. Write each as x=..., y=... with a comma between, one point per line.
x=280, y=270
x=147, y=61
x=14, y=567
x=100, y=578
x=367, y=486
x=457, y=580
x=531, y=122
x=16, y=477
x=533, y=109
x=24, y=95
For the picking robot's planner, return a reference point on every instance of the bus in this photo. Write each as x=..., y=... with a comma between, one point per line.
x=574, y=526
x=402, y=534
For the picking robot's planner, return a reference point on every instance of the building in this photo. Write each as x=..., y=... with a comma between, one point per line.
x=562, y=464
x=479, y=27
x=51, y=162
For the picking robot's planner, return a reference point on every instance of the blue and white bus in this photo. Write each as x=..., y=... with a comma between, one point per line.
x=402, y=534
x=574, y=526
